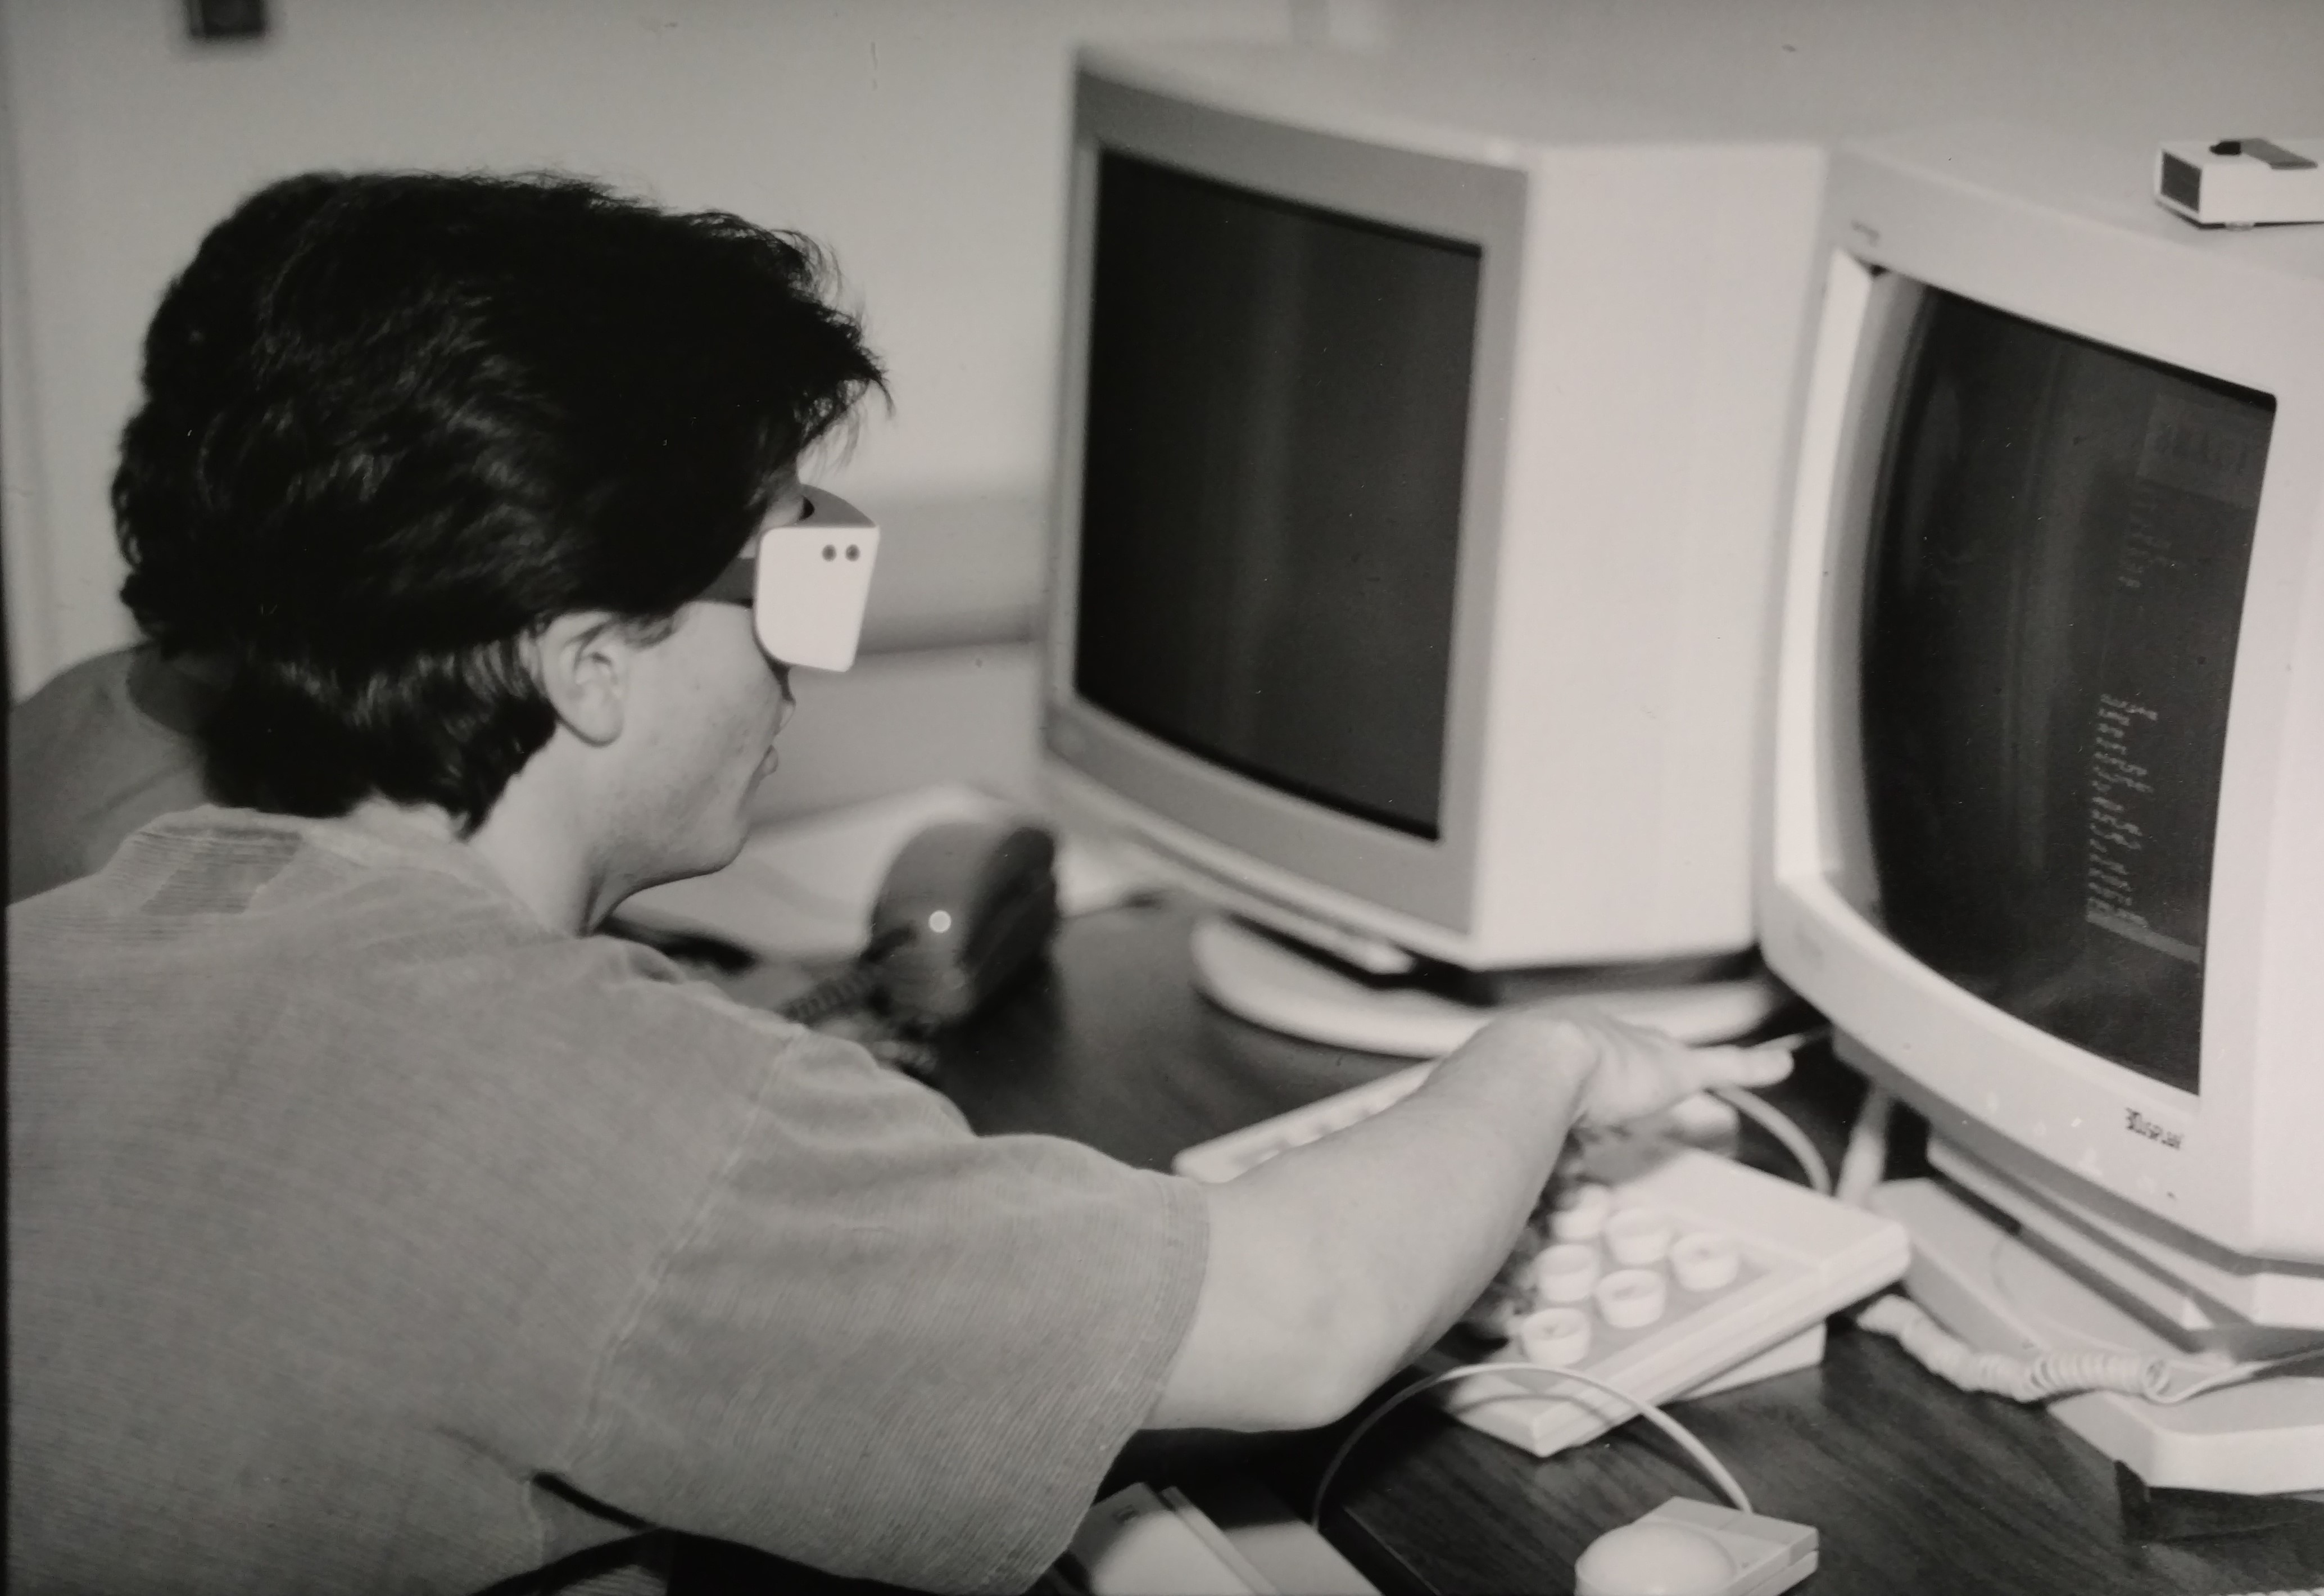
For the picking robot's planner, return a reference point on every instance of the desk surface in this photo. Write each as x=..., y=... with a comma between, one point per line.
x=1914, y=1487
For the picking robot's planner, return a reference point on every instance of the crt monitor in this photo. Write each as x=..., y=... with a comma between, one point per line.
x=1417, y=481
x=2047, y=768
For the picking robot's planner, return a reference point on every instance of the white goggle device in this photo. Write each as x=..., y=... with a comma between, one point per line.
x=806, y=583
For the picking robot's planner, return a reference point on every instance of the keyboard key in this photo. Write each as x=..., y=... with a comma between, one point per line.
x=1638, y=1236
x=1565, y=1273
x=1704, y=1260
x=1559, y=1337
x=1632, y=1299
x=1580, y=1212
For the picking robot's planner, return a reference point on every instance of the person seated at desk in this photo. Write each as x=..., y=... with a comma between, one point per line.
x=105, y=746
x=375, y=1224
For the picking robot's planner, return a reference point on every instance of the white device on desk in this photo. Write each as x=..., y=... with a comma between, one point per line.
x=1141, y=1542
x=1688, y=1548
x=1673, y=1272
x=1445, y=664
x=2047, y=811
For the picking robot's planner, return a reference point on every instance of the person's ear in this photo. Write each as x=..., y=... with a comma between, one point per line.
x=586, y=662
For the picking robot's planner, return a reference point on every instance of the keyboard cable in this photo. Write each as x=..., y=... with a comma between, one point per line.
x=1686, y=1440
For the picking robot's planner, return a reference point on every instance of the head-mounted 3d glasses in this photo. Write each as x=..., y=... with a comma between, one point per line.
x=806, y=583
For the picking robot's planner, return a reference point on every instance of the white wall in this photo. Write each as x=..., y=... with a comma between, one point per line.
x=923, y=140
x=2137, y=68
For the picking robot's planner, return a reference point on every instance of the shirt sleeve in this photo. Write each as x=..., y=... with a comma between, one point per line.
x=889, y=1348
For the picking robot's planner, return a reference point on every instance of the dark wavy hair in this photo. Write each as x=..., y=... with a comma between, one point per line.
x=394, y=423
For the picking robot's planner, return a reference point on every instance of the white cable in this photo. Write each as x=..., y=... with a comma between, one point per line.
x=1646, y=1410
x=1864, y=1163
x=1779, y=1125
x=2052, y=1374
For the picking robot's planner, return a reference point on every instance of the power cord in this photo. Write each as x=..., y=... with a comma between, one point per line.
x=833, y=995
x=848, y=989
x=851, y=990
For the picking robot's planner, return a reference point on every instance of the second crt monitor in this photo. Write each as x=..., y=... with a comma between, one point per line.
x=1418, y=486
x=2048, y=774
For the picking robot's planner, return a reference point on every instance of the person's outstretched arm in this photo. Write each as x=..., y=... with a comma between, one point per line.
x=1333, y=1264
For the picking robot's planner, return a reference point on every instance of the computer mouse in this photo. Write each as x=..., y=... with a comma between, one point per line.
x=1654, y=1559
x=966, y=907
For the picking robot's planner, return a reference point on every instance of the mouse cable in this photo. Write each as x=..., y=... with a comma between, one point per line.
x=1864, y=1165
x=1662, y=1421
x=1773, y=1120
x=2052, y=1374
x=1785, y=1130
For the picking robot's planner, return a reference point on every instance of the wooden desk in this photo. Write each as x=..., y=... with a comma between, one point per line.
x=1914, y=1485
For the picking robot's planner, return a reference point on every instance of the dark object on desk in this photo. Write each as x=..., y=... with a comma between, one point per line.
x=225, y=19
x=967, y=906
x=2153, y=1513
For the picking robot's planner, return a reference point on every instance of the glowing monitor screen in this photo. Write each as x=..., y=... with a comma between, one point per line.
x=2056, y=575
x=1277, y=431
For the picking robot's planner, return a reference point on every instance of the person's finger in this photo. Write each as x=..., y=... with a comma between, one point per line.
x=1648, y=1082
x=1757, y=1063
x=1744, y=1067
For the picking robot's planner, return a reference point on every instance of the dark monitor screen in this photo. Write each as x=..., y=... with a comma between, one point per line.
x=1275, y=439
x=2060, y=537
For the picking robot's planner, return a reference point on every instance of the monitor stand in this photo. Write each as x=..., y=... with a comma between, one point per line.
x=1270, y=981
x=1993, y=1277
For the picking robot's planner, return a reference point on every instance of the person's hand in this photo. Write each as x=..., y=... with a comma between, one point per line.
x=1627, y=1072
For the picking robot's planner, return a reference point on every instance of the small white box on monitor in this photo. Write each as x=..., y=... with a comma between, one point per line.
x=2242, y=182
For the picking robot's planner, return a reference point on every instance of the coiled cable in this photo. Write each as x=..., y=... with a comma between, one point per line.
x=2051, y=1374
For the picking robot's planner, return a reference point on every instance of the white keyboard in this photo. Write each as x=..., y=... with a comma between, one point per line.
x=1701, y=1121
x=1660, y=1268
